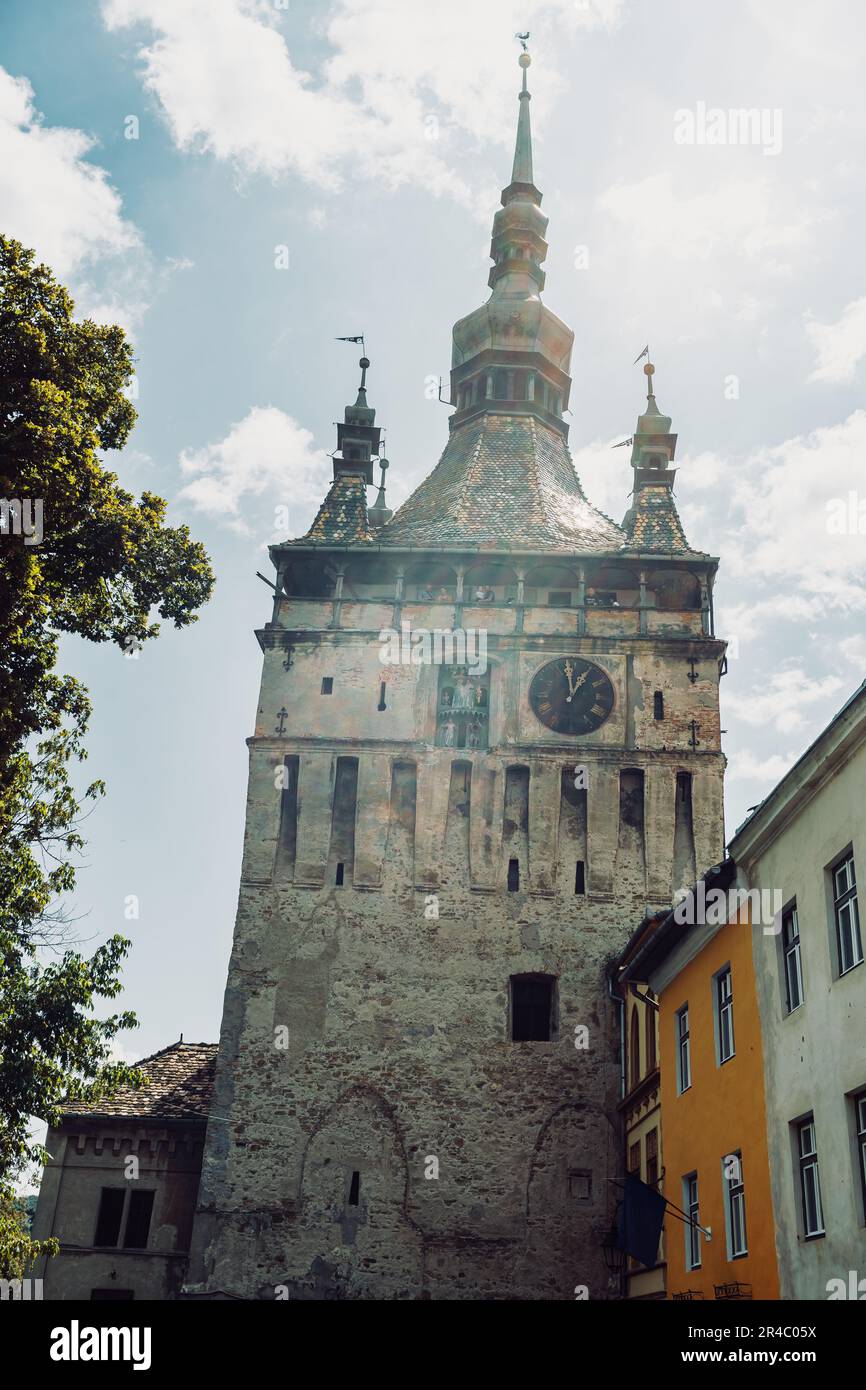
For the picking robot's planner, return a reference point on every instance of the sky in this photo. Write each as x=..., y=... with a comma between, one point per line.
x=239, y=182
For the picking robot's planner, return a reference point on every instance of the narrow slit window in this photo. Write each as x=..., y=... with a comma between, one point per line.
x=659, y=705
x=355, y=1189
x=338, y=877
x=381, y=705
x=513, y=875
x=327, y=685
x=580, y=877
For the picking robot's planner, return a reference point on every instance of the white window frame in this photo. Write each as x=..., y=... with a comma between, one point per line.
x=792, y=960
x=724, y=1015
x=684, y=1050
x=844, y=889
x=692, y=1208
x=735, y=1207
x=807, y=1159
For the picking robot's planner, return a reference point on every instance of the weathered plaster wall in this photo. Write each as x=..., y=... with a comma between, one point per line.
x=394, y=987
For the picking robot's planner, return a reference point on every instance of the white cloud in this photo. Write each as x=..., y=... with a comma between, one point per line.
x=53, y=199
x=784, y=702
x=853, y=649
x=732, y=218
x=839, y=346
x=386, y=103
x=782, y=501
x=745, y=766
x=268, y=456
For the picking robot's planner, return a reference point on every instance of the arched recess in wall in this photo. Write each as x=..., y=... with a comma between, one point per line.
x=674, y=589
x=354, y=1193
x=575, y=1151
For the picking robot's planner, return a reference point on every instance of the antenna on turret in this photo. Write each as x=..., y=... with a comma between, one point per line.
x=441, y=397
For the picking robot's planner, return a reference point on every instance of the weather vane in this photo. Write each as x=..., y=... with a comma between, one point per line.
x=523, y=39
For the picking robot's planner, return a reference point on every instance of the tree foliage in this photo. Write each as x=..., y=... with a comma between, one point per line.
x=107, y=568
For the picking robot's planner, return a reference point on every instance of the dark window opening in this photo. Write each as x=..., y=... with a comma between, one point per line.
x=339, y=876
x=580, y=1184
x=513, y=876
x=138, y=1220
x=532, y=1001
x=327, y=685
x=381, y=704
x=684, y=787
x=110, y=1215
x=355, y=1189
x=559, y=598
x=579, y=877
x=658, y=705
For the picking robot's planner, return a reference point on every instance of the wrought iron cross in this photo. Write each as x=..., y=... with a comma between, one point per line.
x=282, y=716
x=693, y=675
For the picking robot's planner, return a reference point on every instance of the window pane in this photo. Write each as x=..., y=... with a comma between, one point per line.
x=138, y=1220
x=110, y=1213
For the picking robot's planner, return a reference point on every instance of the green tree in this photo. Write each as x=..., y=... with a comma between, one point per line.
x=78, y=554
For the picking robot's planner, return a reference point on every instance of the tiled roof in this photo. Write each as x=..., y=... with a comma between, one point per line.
x=653, y=522
x=503, y=480
x=342, y=517
x=180, y=1085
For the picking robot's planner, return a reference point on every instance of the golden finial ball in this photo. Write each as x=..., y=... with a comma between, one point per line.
x=649, y=369
x=524, y=60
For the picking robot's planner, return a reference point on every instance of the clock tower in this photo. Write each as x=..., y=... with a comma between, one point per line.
x=487, y=744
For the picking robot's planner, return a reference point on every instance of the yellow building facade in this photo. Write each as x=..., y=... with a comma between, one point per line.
x=712, y=1096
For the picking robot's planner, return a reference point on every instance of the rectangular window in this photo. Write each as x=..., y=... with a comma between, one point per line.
x=810, y=1183
x=860, y=1122
x=725, y=1014
x=634, y=1158
x=735, y=1205
x=579, y=877
x=692, y=1209
x=684, y=1051
x=339, y=876
x=580, y=1184
x=847, y=915
x=513, y=876
x=110, y=1215
x=355, y=1189
x=658, y=705
x=138, y=1219
x=532, y=1008
x=652, y=1158
x=327, y=685
x=791, y=959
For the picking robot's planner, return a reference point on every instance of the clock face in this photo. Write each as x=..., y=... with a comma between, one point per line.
x=571, y=696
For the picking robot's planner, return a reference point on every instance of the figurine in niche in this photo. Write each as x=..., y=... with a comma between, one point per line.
x=449, y=729
x=480, y=696
x=473, y=735
x=447, y=697
x=463, y=695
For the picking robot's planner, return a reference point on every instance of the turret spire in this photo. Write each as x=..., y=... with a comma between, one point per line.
x=522, y=168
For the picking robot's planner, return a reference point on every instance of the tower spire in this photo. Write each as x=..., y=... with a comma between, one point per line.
x=521, y=171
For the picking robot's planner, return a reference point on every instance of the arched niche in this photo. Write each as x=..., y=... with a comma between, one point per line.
x=554, y=585
x=675, y=588
x=430, y=581
x=489, y=582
